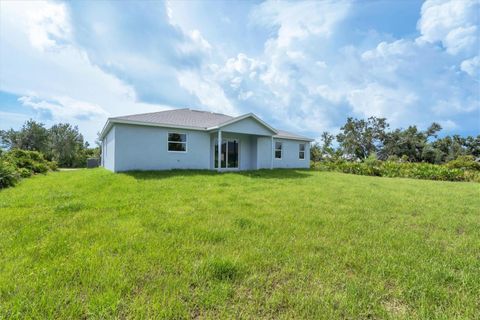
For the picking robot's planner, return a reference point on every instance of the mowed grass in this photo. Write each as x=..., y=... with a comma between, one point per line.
x=269, y=244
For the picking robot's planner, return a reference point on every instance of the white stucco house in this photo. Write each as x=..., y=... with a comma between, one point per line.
x=188, y=139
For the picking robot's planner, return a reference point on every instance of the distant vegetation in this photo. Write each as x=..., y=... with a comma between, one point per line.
x=368, y=147
x=62, y=143
x=462, y=169
x=36, y=149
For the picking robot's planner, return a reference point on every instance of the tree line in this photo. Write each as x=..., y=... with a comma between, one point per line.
x=357, y=140
x=360, y=139
x=62, y=142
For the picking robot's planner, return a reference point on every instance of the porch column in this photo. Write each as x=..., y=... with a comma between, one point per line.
x=219, y=149
x=272, y=155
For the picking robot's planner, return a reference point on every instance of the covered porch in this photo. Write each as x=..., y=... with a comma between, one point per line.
x=244, y=143
x=240, y=151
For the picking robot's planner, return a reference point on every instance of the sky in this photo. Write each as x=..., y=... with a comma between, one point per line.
x=301, y=66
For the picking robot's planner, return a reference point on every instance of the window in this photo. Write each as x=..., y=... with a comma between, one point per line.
x=278, y=150
x=301, y=151
x=177, y=142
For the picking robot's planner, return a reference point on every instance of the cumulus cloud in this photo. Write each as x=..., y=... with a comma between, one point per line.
x=85, y=60
x=64, y=108
x=208, y=92
x=48, y=25
x=454, y=23
x=136, y=43
x=309, y=80
x=299, y=20
x=57, y=79
x=472, y=66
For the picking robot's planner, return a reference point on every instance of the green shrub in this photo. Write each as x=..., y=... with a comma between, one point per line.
x=16, y=164
x=398, y=169
x=24, y=172
x=53, y=165
x=40, y=167
x=8, y=174
x=473, y=176
x=465, y=163
x=31, y=160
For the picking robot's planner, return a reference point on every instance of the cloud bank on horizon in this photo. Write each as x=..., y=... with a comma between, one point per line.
x=301, y=66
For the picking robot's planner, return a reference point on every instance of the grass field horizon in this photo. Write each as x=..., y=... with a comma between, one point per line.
x=264, y=244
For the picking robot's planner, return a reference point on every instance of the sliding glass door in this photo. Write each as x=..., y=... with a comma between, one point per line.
x=228, y=154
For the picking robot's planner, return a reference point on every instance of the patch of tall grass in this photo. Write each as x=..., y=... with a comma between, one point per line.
x=458, y=170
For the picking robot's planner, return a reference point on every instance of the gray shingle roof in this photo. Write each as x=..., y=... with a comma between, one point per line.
x=180, y=117
x=193, y=119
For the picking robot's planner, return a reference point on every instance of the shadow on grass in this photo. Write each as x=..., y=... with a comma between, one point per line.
x=255, y=174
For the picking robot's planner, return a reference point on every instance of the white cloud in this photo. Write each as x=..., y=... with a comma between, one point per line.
x=378, y=100
x=209, y=92
x=304, y=79
x=65, y=108
x=199, y=40
x=448, y=125
x=316, y=86
x=299, y=20
x=452, y=105
x=472, y=66
x=48, y=25
x=62, y=81
x=454, y=23
x=245, y=95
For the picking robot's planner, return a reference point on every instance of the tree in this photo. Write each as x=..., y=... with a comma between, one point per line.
x=412, y=143
x=450, y=147
x=433, y=130
x=315, y=153
x=472, y=145
x=327, y=149
x=32, y=136
x=67, y=145
x=360, y=138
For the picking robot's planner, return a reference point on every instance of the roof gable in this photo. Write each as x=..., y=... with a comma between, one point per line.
x=248, y=123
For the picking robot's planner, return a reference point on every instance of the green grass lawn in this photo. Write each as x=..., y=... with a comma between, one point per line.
x=268, y=244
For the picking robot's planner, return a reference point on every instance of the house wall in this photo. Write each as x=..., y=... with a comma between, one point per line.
x=145, y=148
x=290, y=149
x=134, y=147
x=248, y=126
x=108, y=150
x=264, y=152
x=253, y=153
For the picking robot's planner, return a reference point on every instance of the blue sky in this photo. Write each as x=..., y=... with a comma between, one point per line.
x=301, y=66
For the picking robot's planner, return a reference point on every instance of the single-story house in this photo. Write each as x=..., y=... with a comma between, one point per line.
x=188, y=139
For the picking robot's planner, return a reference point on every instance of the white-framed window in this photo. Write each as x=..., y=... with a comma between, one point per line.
x=278, y=150
x=301, y=151
x=177, y=142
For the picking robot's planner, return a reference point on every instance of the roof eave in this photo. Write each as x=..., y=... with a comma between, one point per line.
x=293, y=138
